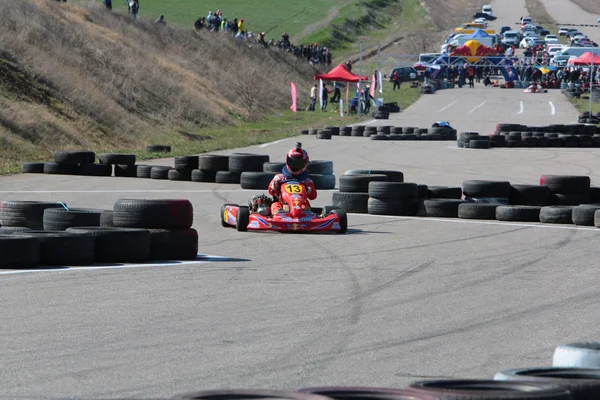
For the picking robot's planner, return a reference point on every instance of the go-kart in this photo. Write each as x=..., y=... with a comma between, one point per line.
x=296, y=215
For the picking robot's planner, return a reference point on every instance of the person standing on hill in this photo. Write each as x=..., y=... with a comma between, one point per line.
x=396, y=80
x=241, y=26
x=325, y=96
x=313, y=98
x=108, y=4
x=134, y=8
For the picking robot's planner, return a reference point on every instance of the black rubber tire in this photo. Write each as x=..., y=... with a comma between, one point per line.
x=356, y=393
x=322, y=167
x=343, y=220
x=126, y=171
x=444, y=208
x=242, y=162
x=115, y=158
x=32, y=168
x=378, y=137
x=356, y=133
x=477, y=211
x=19, y=251
x=359, y=183
x=59, y=219
x=530, y=195
x=323, y=181
x=392, y=190
x=565, y=184
x=303, y=131
x=518, y=213
x=186, y=163
x=275, y=167
x=312, y=131
x=144, y=171
x=106, y=219
x=213, y=162
x=61, y=169
x=63, y=248
x=444, y=192
x=160, y=172
x=95, y=170
x=351, y=202
x=158, y=148
x=583, y=384
x=558, y=199
x=479, y=144
x=173, y=244
x=243, y=219
x=9, y=230
x=179, y=175
x=256, y=180
x=198, y=175
x=324, y=136
x=479, y=189
x=583, y=215
x=392, y=176
x=248, y=394
x=489, y=390
x=408, y=129
x=153, y=214
x=389, y=206
x=28, y=214
x=118, y=245
x=227, y=177
x=74, y=157
x=556, y=215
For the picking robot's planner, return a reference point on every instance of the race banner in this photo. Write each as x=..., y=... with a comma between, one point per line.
x=321, y=92
x=373, y=85
x=380, y=82
x=293, y=107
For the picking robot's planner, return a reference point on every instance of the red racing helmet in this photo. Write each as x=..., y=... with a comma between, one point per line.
x=297, y=160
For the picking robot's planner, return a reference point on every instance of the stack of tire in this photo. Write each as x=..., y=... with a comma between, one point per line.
x=184, y=165
x=48, y=233
x=392, y=107
x=320, y=171
x=353, y=195
x=514, y=135
x=83, y=163
x=208, y=167
x=587, y=118
x=381, y=112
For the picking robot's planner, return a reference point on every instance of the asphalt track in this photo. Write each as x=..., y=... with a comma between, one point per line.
x=393, y=301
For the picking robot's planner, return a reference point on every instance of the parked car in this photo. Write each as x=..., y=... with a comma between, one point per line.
x=505, y=29
x=563, y=31
x=542, y=31
x=488, y=17
x=481, y=21
x=511, y=38
x=551, y=39
x=405, y=73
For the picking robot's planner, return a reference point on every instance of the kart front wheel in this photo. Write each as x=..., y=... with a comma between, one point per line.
x=343, y=219
x=224, y=216
x=243, y=219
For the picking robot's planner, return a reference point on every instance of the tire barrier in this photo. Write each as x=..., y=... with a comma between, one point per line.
x=559, y=199
x=134, y=231
x=514, y=135
x=386, y=132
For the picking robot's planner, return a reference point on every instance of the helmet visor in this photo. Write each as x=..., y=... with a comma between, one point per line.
x=296, y=164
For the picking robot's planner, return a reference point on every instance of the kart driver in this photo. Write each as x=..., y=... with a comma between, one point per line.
x=296, y=162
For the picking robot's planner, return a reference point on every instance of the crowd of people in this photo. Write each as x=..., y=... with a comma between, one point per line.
x=217, y=22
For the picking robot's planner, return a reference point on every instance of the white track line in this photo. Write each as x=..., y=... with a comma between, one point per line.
x=270, y=143
x=202, y=259
x=480, y=222
x=480, y=105
x=448, y=106
x=522, y=108
x=553, y=112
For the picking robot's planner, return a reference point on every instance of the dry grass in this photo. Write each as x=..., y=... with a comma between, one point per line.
x=84, y=77
x=538, y=12
x=591, y=6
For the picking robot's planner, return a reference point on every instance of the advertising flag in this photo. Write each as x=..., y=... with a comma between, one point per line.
x=293, y=107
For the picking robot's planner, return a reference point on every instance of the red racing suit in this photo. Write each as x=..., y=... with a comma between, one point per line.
x=275, y=189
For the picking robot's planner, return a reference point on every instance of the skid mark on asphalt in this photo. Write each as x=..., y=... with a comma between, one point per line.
x=202, y=259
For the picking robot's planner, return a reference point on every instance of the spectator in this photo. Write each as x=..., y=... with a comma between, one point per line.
x=313, y=98
x=471, y=76
x=108, y=4
x=349, y=66
x=336, y=93
x=241, y=27
x=367, y=99
x=161, y=20
x=134, y=8
x=487, y=81
x=396, y=80
x=325, y=94
x=200, y=23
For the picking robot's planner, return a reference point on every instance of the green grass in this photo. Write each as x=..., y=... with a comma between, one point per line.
x=269, y=16
x=583, y=105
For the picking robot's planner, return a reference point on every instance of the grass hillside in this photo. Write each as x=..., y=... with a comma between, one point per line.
x=85, y=78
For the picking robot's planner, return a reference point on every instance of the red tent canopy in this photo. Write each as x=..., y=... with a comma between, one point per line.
x=340, y=74
x=585, y=59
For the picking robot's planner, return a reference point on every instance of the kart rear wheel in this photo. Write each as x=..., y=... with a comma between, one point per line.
x=343, y=219
x=223, y=223
x=243, y=219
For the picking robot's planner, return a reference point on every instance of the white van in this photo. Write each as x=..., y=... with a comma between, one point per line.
x=577, y=51
x=487, y=9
